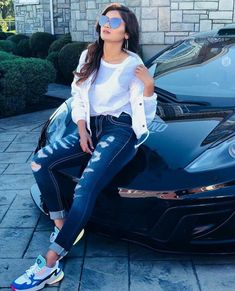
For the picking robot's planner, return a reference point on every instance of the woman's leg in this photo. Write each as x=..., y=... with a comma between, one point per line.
x=55, y=187
x=46, y=166
x=113, y=151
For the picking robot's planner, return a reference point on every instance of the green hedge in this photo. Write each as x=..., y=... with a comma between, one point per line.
x=8, y=33
x=68, y=59
x=7, y=46
x=23, y=48
x=40, y=43
x=13, y=89
x=53, y=58
x=58, y=44
x=3, y=35
x=16, y=38
x=23, y=82
x=6, y=56
x=38, y=74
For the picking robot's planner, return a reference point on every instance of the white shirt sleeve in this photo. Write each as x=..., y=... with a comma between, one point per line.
x=77, y=105
x=150, y=103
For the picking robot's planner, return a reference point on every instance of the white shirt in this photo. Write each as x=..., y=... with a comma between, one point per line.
x=143, y=108
x=105, y=99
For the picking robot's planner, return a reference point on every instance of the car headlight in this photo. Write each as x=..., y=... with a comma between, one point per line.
x=221, y=156
x=57, y=124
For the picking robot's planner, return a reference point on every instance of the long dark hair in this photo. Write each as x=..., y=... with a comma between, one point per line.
x=95, y=50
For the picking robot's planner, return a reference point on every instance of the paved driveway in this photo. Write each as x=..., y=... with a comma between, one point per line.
x=96, y=263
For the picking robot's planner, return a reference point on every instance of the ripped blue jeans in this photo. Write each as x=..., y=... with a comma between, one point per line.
x=113, y=139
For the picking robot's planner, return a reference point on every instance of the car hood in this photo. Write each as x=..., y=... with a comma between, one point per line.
x=180, y=133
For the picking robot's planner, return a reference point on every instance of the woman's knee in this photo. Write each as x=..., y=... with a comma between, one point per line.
x=35, y=166
x=39, y=160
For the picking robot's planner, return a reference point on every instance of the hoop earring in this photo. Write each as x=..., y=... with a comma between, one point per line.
x=126, y=44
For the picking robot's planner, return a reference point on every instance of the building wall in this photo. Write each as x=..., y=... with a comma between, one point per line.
x=36, y=17
x=162, y=22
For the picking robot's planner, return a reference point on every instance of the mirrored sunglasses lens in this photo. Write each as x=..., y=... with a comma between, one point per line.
x=102, y=20
x=115, y=22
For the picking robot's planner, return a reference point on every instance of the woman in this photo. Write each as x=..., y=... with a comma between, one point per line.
x=114, y=101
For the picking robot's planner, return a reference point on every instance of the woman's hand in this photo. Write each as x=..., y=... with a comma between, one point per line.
x=142, y=73
x=86, y=141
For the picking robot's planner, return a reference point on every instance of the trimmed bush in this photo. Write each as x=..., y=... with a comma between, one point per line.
x=53, y=58
x=13, y=89
x=7, y=46
x=23, y=48
x=8, y=33
x=38, y=74
x=6, y=56
x=3, y=35
x=68, y=59
x=16, y=38
x=58, y=44
x=40, y=43
x=23, y=82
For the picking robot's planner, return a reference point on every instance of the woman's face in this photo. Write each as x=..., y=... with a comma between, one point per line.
x=109, y=34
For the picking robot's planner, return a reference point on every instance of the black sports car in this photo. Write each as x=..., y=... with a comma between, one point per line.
x=178, y=193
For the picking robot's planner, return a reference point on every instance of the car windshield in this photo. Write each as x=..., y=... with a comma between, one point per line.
x=203, y=67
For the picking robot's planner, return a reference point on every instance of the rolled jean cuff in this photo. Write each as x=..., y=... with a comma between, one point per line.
x=57, y=214
x=58, y=249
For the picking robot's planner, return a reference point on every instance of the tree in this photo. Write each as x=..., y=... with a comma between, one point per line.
x=6, y=8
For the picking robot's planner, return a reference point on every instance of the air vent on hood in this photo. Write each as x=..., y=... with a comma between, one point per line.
x=228, y=30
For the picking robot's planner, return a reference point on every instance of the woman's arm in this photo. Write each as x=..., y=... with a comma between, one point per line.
x=142, y=73
x=149, y=88
x=143, y=84
x=78, y=113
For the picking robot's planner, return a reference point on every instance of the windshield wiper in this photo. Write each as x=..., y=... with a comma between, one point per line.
x=172, y=97
x=165, y=93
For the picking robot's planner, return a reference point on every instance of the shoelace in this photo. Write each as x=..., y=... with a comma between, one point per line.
x=32, y=270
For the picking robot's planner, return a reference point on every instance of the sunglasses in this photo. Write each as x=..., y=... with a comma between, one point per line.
x=114, y=22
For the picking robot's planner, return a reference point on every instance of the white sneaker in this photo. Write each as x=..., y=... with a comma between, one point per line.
x=37, y=276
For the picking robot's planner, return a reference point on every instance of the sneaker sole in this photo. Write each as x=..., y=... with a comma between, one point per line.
x=43, y=284
x=57, y=279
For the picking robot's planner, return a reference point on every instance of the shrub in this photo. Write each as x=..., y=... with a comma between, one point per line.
x=8, y=33
x=16, y=38
x=3, y=35
x=68, y=59
x=7, y=46
x=58, y=44
x=38, y=74
x=6, y=56
x=53, y=58
x=23, y=82
x=40, y=43
x=13, y=89
x=23, y=48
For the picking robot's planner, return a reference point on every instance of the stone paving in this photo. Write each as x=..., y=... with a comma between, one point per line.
x=96, y=263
